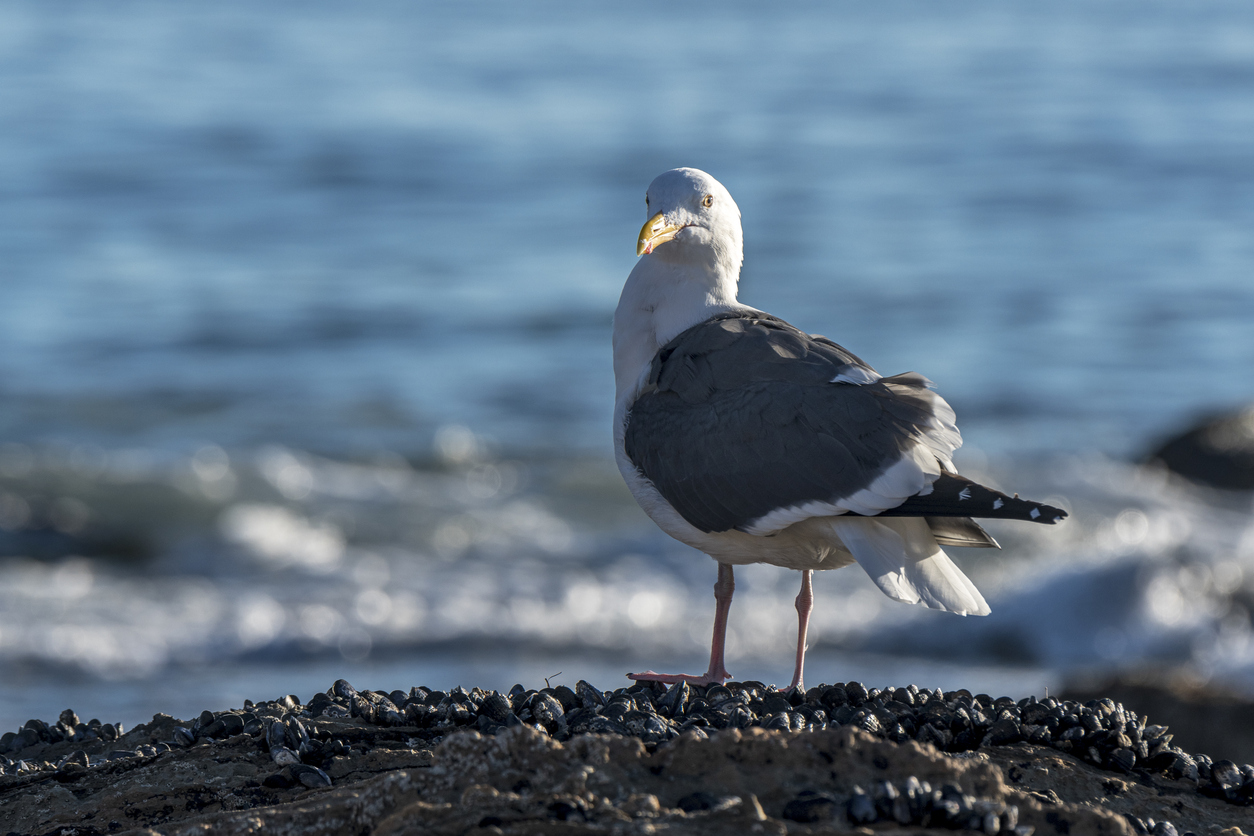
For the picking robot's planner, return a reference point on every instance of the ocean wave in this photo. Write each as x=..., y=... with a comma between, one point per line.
x=282, y=554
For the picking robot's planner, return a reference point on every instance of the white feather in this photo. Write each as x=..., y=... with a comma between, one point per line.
x=911, y=475
x=902, y=558
x=857, y=375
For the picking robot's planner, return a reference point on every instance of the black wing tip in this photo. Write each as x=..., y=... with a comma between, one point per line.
x=1024, y=510
x=1050, y=515
x=954, y=495
x=996, y=505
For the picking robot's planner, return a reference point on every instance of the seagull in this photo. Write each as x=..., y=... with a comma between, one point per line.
x=755, y=442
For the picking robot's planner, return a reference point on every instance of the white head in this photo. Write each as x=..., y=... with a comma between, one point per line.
x=692, y=250
x=693, y=221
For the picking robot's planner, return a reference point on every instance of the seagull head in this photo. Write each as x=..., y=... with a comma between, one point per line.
x=692, y=220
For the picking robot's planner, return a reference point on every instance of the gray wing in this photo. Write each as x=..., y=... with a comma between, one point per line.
x=740, y=417
x=740, y=425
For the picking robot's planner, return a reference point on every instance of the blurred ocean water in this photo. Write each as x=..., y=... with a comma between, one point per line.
x=304, y=334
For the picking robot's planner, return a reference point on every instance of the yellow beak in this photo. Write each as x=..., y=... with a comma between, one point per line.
x=655, y=231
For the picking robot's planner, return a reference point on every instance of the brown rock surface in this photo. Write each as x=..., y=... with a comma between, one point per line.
x=524, y=782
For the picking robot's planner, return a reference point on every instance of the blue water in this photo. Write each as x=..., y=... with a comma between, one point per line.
x=307, y=307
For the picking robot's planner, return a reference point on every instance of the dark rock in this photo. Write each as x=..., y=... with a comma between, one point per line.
x=1101, y=731
x=697, y=801
x=810, y=806
x=1217, y=451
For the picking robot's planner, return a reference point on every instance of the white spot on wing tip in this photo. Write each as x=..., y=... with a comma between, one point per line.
x=856, y=375
x=1034, y=513
x=997, y=503
x=965, y=493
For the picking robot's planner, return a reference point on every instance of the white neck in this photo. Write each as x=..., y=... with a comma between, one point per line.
x=661, y=300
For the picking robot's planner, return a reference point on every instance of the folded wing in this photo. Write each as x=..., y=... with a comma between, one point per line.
x=748, y=423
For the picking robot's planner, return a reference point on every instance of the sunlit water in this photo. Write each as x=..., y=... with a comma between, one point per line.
x=304, y=342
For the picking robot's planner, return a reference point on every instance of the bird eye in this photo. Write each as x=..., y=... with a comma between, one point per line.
x=709, y=200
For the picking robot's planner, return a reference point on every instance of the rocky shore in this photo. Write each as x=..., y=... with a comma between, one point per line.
x=737, y=758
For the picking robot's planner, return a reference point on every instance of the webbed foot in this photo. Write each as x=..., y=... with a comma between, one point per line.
x=671, y=678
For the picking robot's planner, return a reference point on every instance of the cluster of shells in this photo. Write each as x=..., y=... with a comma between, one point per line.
x=67, y=728
x=1101, y=732
x=912, y=802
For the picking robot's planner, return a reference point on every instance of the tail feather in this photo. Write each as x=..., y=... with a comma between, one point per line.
x=903, y=559
x=960, y=531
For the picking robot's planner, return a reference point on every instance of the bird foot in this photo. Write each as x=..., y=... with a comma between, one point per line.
x=671, y=678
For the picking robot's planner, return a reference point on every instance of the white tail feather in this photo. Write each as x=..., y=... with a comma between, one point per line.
x=902, y=557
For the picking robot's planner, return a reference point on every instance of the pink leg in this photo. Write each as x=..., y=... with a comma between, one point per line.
x=805, y=603
x=717, y=674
